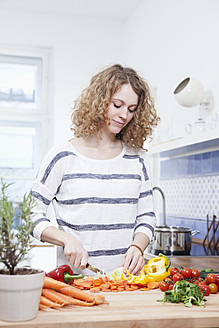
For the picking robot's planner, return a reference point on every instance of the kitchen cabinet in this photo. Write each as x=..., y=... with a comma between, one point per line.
x=205, y=138
x=134, y=309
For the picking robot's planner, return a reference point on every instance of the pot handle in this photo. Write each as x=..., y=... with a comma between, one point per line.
x=195, y=232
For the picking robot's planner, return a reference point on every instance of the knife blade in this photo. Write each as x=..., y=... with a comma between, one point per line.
x=94, y=269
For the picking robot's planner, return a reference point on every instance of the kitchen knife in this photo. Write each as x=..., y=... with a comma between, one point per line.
x=94, y=269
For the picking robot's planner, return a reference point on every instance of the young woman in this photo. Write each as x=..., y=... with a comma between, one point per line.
x=99, y=181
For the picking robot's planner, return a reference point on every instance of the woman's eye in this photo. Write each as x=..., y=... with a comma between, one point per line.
x=117, y=106
x=131, y=110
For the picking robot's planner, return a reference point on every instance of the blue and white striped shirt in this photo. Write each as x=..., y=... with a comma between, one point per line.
x=103, y=203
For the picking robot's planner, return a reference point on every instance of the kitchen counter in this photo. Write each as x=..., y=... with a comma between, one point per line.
x=198, y=262
x=134, y=309
x=128, y=309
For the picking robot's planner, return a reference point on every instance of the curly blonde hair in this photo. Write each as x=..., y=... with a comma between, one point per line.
x=90, y=109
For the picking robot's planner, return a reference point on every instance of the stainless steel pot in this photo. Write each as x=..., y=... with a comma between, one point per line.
x=173, y=240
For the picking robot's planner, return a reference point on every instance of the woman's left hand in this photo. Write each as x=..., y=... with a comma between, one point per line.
x=133, y=261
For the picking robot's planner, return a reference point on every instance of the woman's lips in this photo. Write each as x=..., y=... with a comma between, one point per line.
x=118, y=123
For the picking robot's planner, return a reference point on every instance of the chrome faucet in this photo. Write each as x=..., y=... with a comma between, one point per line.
x=164, y=204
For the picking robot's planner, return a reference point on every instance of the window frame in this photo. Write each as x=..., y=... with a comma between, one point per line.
x=23, y=115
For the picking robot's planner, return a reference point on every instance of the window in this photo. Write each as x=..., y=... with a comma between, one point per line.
x=24, y=115
x=20, y=81
x=16, y=144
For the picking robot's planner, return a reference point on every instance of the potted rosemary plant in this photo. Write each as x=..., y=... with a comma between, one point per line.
x=20, y=287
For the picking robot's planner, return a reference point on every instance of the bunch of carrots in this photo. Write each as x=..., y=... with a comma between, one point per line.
x=56, y=294
x=105, y=284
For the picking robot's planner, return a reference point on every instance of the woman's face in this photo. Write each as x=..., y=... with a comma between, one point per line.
x=121, y=108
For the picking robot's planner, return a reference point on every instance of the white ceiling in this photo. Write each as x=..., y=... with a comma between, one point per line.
x=113, y=9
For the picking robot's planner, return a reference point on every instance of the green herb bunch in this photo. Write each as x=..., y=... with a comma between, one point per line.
x=186, y=292
x=14, y=243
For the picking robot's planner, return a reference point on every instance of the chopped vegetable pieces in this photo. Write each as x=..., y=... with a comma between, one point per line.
x=105, y=284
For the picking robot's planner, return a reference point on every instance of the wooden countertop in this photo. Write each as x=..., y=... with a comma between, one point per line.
x=198, y=262
x=134, y=309
x=128, y=309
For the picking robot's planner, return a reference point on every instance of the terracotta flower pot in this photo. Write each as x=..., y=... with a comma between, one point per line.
x=20, y=295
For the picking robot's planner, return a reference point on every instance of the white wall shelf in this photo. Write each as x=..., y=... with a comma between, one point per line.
x=184, y=141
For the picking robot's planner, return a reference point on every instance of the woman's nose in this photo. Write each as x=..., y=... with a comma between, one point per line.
x=123, y=112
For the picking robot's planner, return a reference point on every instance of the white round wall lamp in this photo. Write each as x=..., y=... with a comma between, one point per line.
x=190, y=93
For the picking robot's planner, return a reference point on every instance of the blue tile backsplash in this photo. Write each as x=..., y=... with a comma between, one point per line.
x=192, y=197
x=189, y=178
x=192, y=165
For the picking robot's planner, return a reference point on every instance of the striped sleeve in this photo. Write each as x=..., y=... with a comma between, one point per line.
x=45, y=188
x=145, y=219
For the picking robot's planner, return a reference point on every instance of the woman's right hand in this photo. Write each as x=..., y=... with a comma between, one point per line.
x=75, y=253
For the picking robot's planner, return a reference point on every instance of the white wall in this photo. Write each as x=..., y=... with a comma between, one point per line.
x=169, y=40
x=165, y=40
x=79, y=47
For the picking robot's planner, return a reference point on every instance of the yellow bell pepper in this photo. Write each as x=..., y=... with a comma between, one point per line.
x=158, y=267
x=143, y=279
x=123, y=276
x=131, y=278
x=114, y=277
x=166, y=260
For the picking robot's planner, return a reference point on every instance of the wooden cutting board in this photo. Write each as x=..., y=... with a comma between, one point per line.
x=128, y=309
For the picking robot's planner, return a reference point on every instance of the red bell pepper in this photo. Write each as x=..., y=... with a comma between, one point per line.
x=63, y=273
